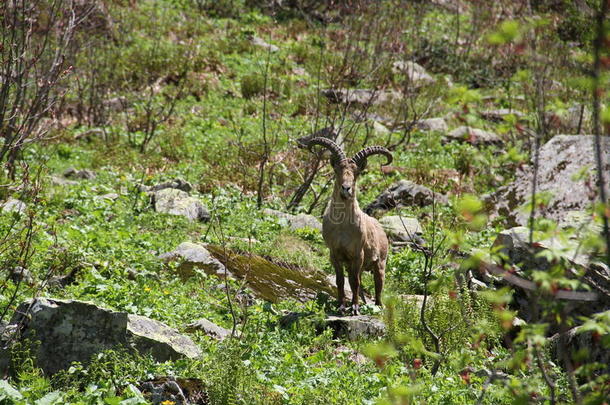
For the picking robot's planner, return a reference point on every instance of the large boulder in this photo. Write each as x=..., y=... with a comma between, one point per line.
x=595, y=346
x=177, y=202
x=14, y=205
x=355, y=327
x=567, y=170
x=432, y=124
x=70, y=330
x=191, y=256
x=402, y=229
x=417, y=74
x=298, y=221
x=404, y=194
x=473, y=136
x=274, y=281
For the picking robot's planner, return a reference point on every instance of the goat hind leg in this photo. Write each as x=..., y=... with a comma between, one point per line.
x=379, y=275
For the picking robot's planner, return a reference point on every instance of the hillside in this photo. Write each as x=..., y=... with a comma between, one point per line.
x=162, y=201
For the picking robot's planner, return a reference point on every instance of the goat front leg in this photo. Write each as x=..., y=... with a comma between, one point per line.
x=355, y=270
x=340, y=278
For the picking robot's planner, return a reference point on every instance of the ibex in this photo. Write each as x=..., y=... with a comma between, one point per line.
x=355, y=240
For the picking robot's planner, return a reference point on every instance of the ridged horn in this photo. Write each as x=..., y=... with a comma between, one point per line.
x=336, y=152
x=361, y=157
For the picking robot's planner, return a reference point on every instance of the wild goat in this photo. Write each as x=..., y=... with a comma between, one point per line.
x=355, y=240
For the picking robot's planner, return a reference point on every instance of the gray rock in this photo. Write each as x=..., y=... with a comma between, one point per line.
x=79, y=174
x=14, y=205
x=108, y=196
x=176, y=183
x=473, y=136
x=404, y=193
x=579, y=340
x=21, y=275
x=401, y=229
x=432, y=124
x=175, y=391
x=60, y=181
x=355, y=327
x=209, y=328
x=177, y=202
x=498, y=115
x=70, y=330
x=295, y=222
x=361, y=96
x=193, y=256
x=418, y=76
x=561, y=159
x=256, y=41
x=344, y=352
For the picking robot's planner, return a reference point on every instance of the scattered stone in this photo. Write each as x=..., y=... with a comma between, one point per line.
x=498, y=115
x=351, y=355
x=175, y=391
x=274, y=281
x=60, y=181
x=402, y=229
x=177, y=202
x=209, y=328
x=193, y=256
x=256, y=41
x=473, y=136
x=291, y=318
x=70, y=330
x=19, y=274
x=355, y=327
x=432, y=124
x=404, y=193
x=361, y=96
x=108, y=196
x=579, y=340
x=418, y=76
x=14, y=205
x=79, y=174
x=561, y=161
x=295, y=222
x=176, y=183
x=380, y=129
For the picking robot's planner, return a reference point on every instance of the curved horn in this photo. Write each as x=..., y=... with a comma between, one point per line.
x=337, y=154
x=361, y=157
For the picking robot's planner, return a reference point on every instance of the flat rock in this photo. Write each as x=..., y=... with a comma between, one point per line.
x=256, y=41
x=361, y=97
x=401, y=229
x=209, y=328
x=70, y=330
x=14, y=205
x=417, y=74
x=177, y=202
x=561, y=160
x=404, y=193
x=298, y=221
x=274, y=281
x=473, y=136
x=174, y=391
x=432, y=124
x=177, y=183
x=73, y=173
x=355, y=327
x=499, y=114
x=191, y=256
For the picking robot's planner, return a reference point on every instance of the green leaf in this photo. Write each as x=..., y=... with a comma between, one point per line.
x=8, y=392
x=51, y=398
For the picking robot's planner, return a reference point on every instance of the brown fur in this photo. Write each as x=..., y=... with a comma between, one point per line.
x=356, y=241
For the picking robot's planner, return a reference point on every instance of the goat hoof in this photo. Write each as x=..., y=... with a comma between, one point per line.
x=355, y=309
x=342, y=308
